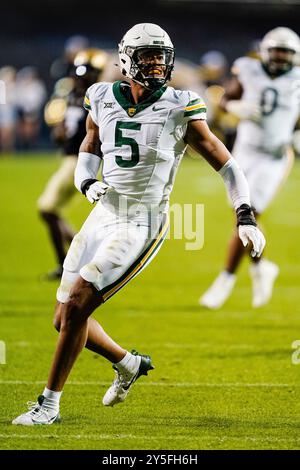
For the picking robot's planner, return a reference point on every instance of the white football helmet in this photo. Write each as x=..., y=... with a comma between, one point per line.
x=139, y=41
x=280, y=38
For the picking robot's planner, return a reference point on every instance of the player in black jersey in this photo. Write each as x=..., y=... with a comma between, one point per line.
x=66, y=115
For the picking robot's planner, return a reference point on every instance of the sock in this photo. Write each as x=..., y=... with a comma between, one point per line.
x=256, y=267
x=129, y=365
x=51, y=399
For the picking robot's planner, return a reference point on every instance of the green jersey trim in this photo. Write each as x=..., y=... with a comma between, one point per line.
x=133, y=109
x=193, y=102
x=195, y=111
x=87, y=103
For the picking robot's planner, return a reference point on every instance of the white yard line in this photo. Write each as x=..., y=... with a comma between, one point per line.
x=169, y=345
x=98, y=437
x=163, y=384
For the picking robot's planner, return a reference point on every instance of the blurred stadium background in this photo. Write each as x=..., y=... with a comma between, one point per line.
x=35, y=42
x=239, y=389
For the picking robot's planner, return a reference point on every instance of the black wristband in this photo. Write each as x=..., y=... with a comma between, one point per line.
x=245, y=215
x=86, y=184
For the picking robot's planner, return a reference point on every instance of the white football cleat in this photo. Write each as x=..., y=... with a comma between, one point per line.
x=263, y=274
x=219, y=291
x=119, y=390
x=37, y=414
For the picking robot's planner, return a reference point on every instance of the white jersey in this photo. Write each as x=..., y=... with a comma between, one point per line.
x=141, y=144
x=279, y=99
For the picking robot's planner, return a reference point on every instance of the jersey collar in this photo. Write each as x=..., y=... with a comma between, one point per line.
x=130, y=108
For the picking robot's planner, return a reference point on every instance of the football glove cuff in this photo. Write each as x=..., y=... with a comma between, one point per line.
x=85, y=185
x=94, y=190
x=248, y=230
x=245, y=216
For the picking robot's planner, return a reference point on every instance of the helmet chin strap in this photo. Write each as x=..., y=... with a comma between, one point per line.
x=156, y=85
x=149, y=87
x=140, y=83
x=146, y=82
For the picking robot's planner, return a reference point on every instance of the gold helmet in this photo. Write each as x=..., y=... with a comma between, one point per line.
x=88, y=67
x=90, y=63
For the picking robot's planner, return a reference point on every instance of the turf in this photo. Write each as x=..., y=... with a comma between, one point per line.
x=223, y=380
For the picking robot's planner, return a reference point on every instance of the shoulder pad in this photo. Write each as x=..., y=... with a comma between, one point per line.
x=194, y=106
x=95, y=93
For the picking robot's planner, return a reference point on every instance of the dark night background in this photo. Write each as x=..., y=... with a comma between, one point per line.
x=34, y=32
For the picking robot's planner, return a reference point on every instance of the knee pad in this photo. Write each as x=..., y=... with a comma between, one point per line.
x=91, y=273
x=67, y=281
x=72, y=264
x=62, y=295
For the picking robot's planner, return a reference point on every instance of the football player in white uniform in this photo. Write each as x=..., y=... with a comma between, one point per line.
x=140, y=131
x=265, y=95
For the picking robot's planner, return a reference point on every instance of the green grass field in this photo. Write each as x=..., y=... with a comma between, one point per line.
x=223, y=380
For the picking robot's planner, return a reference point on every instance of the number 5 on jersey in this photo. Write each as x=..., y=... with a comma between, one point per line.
x=120, y=140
